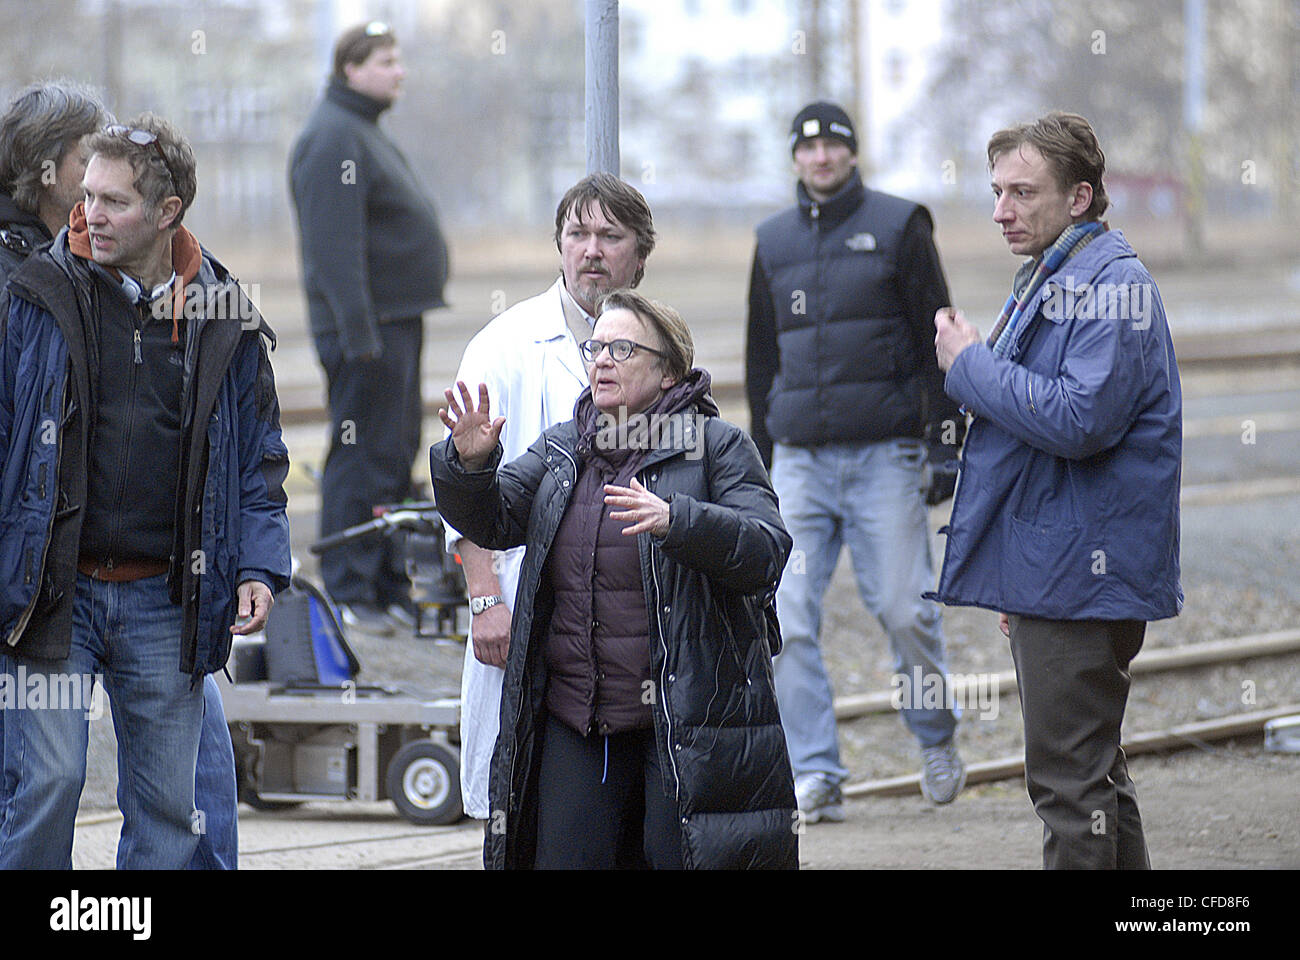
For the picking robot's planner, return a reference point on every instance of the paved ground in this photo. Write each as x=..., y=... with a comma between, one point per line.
x=1233, y=808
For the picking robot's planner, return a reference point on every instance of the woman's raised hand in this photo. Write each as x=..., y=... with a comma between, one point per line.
x=474, y=432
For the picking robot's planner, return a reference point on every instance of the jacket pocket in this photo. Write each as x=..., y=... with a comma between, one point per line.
x=1045, y=565
x=1044, y=494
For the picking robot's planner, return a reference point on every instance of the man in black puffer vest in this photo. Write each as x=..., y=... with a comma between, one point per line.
x=848, y=410
x=373, y=259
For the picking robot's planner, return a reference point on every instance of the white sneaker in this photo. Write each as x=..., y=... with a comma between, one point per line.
x=818, y=798
x=944, y=774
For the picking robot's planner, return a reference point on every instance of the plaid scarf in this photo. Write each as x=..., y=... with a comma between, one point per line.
x=1029, y=280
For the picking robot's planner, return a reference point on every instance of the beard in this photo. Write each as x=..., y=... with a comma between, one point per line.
x=591, y=289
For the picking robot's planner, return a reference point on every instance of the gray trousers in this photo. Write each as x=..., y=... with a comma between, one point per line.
x=1073, y=680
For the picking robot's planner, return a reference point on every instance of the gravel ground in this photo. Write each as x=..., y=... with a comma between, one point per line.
x=1238, y=560
x=859, y=660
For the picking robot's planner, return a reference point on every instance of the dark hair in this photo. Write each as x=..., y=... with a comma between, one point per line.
x=620, y=201
x=1070, y=147
x=43, y=121
x=356, y=44
x=667, y=322
x=154, y=179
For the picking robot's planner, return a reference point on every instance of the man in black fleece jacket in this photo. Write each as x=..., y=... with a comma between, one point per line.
x=373, y=259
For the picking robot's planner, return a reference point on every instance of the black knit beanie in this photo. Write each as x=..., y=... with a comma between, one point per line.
x=822, y=119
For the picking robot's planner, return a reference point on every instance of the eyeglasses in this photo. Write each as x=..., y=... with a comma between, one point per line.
x=144, y=138
x=620, y=350
x=376, y=28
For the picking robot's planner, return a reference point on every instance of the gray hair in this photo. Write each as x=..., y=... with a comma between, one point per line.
x=42, y=122
x=156, y=177
x=663, y=320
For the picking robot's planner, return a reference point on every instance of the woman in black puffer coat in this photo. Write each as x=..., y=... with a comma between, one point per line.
x=639, y=723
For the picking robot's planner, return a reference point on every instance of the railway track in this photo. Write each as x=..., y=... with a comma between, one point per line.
x=366, y=837
x=301, y=404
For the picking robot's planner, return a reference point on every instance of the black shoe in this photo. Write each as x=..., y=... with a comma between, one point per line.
x=367, y=618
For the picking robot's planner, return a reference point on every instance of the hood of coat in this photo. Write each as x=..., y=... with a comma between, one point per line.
x=12, y=216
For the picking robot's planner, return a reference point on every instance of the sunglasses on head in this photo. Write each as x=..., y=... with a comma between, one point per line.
x=143, y=138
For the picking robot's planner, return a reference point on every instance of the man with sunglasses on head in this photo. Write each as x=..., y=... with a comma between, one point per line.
x=143, y=506
x=44, y=130
x=373, y=259
x=529, y=358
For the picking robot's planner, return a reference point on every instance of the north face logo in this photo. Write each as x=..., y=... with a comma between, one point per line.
x=861, y=242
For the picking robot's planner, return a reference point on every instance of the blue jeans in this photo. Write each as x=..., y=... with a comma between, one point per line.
x=868, y=497
x=129, y=633
x=215, y=790
x=215, y=787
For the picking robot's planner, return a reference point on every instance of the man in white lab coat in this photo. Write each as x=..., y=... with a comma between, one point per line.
x=528, y=357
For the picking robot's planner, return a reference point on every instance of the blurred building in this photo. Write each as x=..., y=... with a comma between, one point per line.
x=709, y=87
x=493, y=116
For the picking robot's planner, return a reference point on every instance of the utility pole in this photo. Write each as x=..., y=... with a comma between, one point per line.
x=859, y=31
x=1287, y=151
x=1193, y=123
x=602, y=86
x=816, y=67
x=112, y=59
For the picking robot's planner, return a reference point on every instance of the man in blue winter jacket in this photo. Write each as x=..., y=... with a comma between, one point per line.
x=141, y=472
x=43, y=129
x=1066, y=514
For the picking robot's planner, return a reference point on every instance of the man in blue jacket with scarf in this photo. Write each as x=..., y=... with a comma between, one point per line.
x=1066, y=513
x=141, y=472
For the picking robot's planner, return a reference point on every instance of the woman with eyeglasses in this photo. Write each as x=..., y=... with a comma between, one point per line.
x=639, y=724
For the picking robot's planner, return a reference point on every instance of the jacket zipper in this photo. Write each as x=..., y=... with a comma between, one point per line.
x=519, y=708
x=126, y=453
x=663, y=672
x=815, y=214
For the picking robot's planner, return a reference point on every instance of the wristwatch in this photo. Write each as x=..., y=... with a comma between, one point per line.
x=478, y=604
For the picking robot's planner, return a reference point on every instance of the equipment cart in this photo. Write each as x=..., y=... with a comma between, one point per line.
x=304, y=729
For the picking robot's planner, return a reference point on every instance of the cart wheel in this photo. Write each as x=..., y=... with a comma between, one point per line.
x=424, y=783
